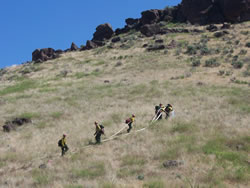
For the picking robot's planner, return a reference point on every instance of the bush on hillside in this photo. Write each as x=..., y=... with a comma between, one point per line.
x=196, y=63
x=248, y=44
x=212, y=63
x=237, y=64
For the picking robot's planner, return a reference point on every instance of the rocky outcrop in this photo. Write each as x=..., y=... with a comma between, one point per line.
x=192, y=11
x=40, y=55
x=73, y=47
x=131, y=22
x=150, y=29
x=215, y=11
x=90, y=45
x=12, y=125
x=150, y=16
x=103, y=31
x=156, y=47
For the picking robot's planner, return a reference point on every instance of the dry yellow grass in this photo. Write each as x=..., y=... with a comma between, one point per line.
x=212, y=118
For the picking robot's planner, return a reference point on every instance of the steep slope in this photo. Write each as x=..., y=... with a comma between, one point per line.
x=205, y=76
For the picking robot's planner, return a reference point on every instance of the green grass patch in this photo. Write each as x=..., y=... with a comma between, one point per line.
x=100, y=63
x=219, y=147
x=107, y=185
x=154, y=184
x=19, y=87
x=56, y=115
x=97, y=169
x=131, y=160
x=116, y=118
x=129, y=171
x=80, y=75
x=173, y=148
x=40, y=177
x=30, y=115
x=42, y=125
x=182, y=127
x=2, y=164
x=73, y=186
x=47, y=90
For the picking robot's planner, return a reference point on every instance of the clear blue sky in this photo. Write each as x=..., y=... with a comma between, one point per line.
x=30, y=24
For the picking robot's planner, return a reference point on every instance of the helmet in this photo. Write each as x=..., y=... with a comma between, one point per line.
x=169, y=105
x=64, y=135
x=160, y=104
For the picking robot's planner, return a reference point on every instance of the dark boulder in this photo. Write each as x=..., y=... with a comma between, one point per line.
x=90, y=45
x=172, y=163
x=11, y=125
x=44, y=54
x=59, y=51
x=150, y=30
x=116, y=39
x=171, y=45
x=201, y=11
x=74, y=47
x=132, y=21
x=226, y=26
x=119, y=31
x=156, y=47
x=215, y=11
x=83, y=48
x=220, y=34
x=212, y=28
x=235, y=10
x=150, y=16
x=98, y=42
x=159, y=41
x=103, y=31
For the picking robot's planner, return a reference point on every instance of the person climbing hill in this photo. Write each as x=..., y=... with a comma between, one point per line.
x=158, y=111
x=169, y=111
x=98, y=133
x=63, y=145
x=130, y=122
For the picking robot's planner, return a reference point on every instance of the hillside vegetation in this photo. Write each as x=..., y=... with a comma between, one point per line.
x=204, y=77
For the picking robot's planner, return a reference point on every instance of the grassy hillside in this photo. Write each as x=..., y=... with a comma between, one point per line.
x=205, y=78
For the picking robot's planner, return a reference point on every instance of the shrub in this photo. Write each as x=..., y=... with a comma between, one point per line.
x=212, y=63
x=247, y=72
x=248, y=44
x=205, y=51
x=243, y=52
x=244, y=32
x=221, y=72
x=191, y=50
x=237, y=64
x=196, y=63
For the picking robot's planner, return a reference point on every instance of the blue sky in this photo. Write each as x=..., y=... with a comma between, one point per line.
x=30, y=24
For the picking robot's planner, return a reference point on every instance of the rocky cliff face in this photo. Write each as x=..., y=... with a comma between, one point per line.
x=215, y=11
x=200, y=12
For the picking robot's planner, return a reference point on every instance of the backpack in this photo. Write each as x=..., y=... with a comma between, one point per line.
x=127, y=120
x=102, y=129
x=60, y=143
